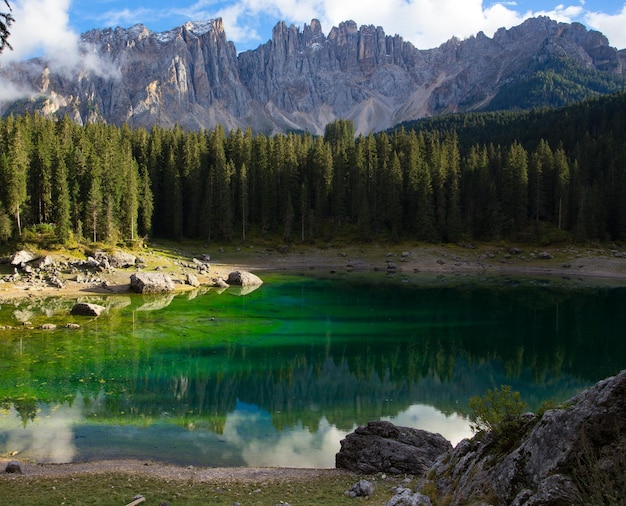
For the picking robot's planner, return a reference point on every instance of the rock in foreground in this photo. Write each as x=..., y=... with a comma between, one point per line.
x=151, y=282
x=574, y=455
x=382, y=446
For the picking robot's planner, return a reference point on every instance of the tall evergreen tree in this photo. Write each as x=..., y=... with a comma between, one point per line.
x=61, y=200
x=14, y=165
x=515, y=188
x=94, y=207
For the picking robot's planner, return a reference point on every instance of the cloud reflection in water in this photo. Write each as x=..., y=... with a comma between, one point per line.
x=249, y=437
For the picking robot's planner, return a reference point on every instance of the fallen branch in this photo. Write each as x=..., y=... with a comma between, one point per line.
x=138, y=499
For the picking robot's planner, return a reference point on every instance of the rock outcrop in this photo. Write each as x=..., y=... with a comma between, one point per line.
x=573, y=455
x=301, y=79
x=382, y=446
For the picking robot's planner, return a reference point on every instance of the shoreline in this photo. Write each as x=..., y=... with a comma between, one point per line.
x=169, y=471
x=590, y=267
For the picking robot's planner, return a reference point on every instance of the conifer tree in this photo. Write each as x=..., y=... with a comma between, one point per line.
x=94, y=207
x=515, y=188
x=243, y=197
x=14, y=166
x=61, y=199
x=561, y=189
x=146, y=203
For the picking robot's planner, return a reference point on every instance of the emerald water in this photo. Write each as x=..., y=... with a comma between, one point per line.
x=278, y=376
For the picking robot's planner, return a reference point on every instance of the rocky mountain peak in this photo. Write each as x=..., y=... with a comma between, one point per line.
x=300, y=79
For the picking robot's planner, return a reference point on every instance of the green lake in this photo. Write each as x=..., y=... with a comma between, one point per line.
x=278, y=376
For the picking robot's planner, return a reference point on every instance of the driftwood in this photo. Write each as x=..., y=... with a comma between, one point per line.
x=137, y=500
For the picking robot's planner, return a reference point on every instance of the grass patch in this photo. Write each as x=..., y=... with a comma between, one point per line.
x=119, y=488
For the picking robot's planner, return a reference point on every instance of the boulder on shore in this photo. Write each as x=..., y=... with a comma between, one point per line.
x=151, y=282
x=243, y=278
x=192, y=280
x=21, y=258
x=122, y=259
x=381, y=446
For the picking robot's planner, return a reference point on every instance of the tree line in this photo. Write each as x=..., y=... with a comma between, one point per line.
x=105, y=183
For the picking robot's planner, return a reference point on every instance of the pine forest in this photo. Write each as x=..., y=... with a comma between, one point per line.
x=546, y=175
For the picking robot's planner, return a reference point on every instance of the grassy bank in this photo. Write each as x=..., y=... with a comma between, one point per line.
x=275, y=486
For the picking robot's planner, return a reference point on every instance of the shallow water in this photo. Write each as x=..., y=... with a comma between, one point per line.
x=278, y=376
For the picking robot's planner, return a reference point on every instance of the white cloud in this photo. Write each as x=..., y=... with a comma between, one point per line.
x=426, y=23
x=610, y=25
x=421, y=416
x=562, y=13
x=10, y=91
x=127, y=17
x=41, y=28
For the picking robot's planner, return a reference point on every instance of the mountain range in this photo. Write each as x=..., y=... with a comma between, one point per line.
x=302, y=79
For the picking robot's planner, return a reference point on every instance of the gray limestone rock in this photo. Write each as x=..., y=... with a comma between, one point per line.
x=122, y=259
x=192, y=280
x=575, y=454
x=301, y=79
x=21, y=258
x=382, y=446
x=243, y=278
x=151, y=282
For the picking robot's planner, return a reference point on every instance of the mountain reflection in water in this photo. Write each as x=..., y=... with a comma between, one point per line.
x=278, y=376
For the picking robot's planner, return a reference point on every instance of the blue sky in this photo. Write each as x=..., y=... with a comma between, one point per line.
x=53, y=26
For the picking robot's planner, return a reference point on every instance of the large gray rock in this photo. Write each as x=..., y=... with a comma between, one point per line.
x=192, y=280
x=151, y=282
x=122, y=259
x=383, y=446
x=42, y=262
x=243, y=278
x=21, y=258
x=574, y=455
x=87, y=309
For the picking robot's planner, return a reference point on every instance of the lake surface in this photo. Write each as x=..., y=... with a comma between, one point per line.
x=278, y=376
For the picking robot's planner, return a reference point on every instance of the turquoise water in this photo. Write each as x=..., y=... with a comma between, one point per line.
x=278, y=376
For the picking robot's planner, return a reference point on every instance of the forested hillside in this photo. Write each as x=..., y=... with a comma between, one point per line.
x=546, y=175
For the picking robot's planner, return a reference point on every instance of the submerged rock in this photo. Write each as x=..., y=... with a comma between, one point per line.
x=47, y=326
x=382, y=446
x=86, y=309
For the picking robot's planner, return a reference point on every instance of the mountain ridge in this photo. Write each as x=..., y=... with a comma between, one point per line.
x=301, y=79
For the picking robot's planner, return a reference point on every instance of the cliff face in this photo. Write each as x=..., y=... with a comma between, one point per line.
x=300, y=79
